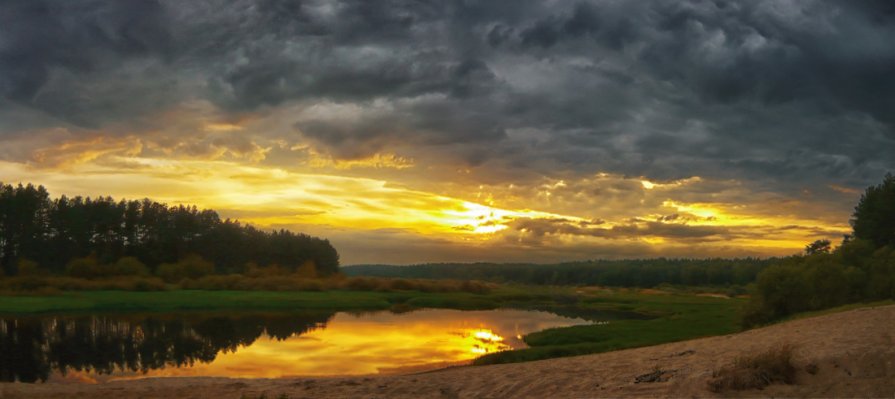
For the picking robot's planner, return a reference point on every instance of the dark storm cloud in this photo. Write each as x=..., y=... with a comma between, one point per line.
x=42, y=40
x=797, y=91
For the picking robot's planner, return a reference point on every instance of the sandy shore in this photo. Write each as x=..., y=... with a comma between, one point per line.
x=853, y=351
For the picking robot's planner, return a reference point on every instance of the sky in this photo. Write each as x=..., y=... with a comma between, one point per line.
x=460, y=130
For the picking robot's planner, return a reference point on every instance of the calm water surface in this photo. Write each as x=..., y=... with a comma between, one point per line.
x=104, y=348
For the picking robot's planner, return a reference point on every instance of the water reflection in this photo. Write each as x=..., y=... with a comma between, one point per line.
x=101, y=348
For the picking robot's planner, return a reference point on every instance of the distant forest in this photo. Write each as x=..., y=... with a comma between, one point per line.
x=85, y=236
x=643, y=273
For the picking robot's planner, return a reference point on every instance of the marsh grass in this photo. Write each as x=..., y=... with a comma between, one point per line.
x=45, y=285
x=39, y=285
x=236, y=282
x=673, y=318
x=756, y=371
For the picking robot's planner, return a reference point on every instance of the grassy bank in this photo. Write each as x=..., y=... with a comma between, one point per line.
x=165, y=301
x=678, y=318
x=634, y=318
x=546, y=298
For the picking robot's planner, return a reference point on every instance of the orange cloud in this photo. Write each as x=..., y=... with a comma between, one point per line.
x=75, y=152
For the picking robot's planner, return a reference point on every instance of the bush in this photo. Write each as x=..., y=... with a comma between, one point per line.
x=190, y=267
x=37, y=284
x=28, y=267
x=86, y=267
x=307, y=270
x=400, y=284
x=781, y=290
x=253, y=270
x=89, y=268
x=129, y=266
x=756, y=371
x=361, y=284
x=236, y=282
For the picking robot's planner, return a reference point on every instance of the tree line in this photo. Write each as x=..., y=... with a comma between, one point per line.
x=102, y=236
x=644, y=273
x=861, y=269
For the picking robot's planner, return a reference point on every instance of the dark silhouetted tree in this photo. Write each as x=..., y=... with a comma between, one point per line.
x=818, y=247
x=106, y=238
x=874, y=217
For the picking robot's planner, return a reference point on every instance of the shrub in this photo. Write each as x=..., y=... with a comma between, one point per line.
x=86, y=267
x=756, y=371
x=780, y=290
x=89, y=268
x=37, y=284
x=190, y=267
x=401, y=285
x=253, y=270
x=881, y=269
x=307, y=270
x=361, y=284
x=129, y=266
x=28, y=267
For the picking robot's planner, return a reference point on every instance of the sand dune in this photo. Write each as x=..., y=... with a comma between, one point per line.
x=851, y=354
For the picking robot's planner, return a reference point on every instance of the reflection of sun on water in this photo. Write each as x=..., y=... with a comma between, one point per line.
x=486, y=341
x=487, y=335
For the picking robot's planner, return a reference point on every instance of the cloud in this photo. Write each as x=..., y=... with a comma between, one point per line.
x=72, y=153
x=48, y=47
x=496, y=102
x=764, y=89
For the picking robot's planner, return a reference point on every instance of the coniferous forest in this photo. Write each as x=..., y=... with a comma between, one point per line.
x=85, y=236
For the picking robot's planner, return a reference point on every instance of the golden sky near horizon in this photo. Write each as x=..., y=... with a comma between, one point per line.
x=374, y=207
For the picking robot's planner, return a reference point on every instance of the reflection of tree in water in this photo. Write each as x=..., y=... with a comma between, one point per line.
x=31, y=348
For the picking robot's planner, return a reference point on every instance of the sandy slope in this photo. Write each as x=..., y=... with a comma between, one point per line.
x=854, y=352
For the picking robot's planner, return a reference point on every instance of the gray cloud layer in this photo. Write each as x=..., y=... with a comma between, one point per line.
x=766, y=90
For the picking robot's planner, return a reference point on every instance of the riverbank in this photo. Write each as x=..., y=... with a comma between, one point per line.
x=850, y=353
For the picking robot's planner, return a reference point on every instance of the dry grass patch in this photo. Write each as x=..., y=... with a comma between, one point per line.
x=756, y=371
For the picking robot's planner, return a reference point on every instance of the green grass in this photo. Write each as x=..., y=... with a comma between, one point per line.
x=162, y=301
x=126, y=301
x=677, y=318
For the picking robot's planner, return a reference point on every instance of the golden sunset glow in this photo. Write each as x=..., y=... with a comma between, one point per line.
x=333, y=204
x=411, y=147
x=369, y=344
